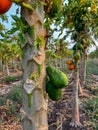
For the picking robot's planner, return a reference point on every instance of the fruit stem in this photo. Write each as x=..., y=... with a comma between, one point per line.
x=23, y=4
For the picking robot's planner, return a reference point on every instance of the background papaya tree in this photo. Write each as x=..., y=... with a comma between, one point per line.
x=78, y=18
x=2, y=28
x=9, y=50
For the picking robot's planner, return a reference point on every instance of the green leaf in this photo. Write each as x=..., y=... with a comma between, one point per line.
x=2, y=34
x=15, y=18
x=2, y=27
x=4, y=18
x=22, y=38
x=13, y=30
x=30, y=31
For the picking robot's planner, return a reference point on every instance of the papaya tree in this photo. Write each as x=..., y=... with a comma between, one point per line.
x=9, y=50
x=32, y=35
x=64, y=21
x=80, y=15
x=79, y=18
x=3, y=18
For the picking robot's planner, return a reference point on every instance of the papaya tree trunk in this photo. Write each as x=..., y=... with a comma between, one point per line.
x=83, y=68
x=1, y=64
x=7, y=69
x=34, y=109
x=75, y=101
x=80, y=90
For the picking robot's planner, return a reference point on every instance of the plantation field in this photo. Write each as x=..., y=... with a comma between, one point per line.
x=59, y=113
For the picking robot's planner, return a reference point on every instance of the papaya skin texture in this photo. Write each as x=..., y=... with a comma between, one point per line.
x=57, y=77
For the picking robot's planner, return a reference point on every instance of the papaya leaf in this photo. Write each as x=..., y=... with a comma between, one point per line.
x=2, y=34
x=4, y=18
x=30, y=31
x=15, y=18
x=2, y=27
x=13, y=30
x=22, y=38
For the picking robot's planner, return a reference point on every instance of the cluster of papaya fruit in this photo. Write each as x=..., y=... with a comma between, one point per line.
x=71, y=65
x=57, y=81
x=78, y=49
x=81, y=45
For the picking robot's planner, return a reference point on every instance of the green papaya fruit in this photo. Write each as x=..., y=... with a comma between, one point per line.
x=53, y=93
x=77, y=56
x=57, y=77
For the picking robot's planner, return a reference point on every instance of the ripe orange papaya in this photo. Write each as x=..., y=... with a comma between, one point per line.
x=71, y=67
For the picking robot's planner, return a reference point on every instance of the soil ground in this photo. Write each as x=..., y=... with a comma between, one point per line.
x=59, y=113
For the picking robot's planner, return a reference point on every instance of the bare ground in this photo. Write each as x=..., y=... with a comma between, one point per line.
x=59, y=113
